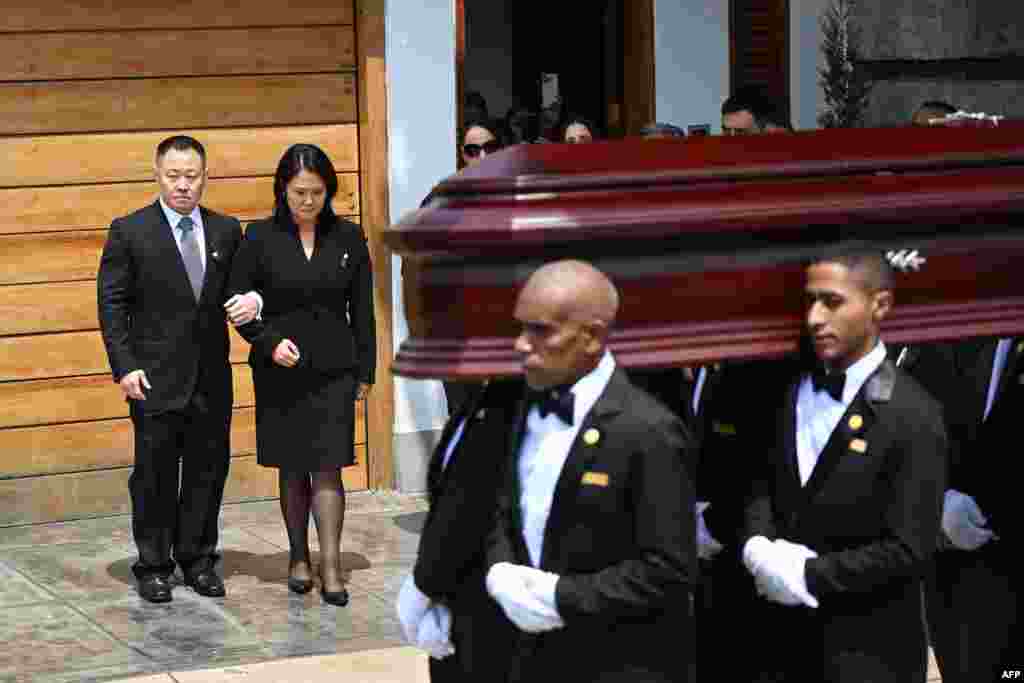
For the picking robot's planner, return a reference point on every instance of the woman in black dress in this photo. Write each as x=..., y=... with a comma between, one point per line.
x=312, y=356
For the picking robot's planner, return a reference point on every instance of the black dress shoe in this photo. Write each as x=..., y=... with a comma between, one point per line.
x=337, y=598
x=300, y=586
x=155, y=589
x=206, y=583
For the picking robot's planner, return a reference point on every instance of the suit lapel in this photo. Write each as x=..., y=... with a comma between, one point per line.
x=581, y=456
x=788, y=431
x=437, y=472
x=850, y=437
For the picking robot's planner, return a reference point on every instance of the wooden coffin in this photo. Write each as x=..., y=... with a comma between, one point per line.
x=707, y=239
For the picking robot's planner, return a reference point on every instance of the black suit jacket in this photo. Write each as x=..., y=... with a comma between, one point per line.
x=450, y=566
x=149, y=316
x=871, y=510
x=621, y=535
x=324, y=305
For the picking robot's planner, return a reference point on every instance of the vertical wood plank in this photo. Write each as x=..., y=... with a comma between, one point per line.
x=373, y=175
x=638, y=64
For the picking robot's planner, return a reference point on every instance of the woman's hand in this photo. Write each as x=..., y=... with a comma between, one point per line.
x=286, y=354
x=362, y=391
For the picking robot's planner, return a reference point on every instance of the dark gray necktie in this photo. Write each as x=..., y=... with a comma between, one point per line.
x=191, y=256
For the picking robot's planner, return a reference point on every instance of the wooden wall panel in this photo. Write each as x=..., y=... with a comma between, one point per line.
x=120, y=157
x=97, y=15
x=79, y=399
x=192, y=52
x=67, y=354
x=50, y=257
x=50, y=209
x=68, y=306
x=203, y=102
x=79, y=446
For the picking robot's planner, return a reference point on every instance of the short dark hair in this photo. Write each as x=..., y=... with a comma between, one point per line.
x=581, y=120
x=937, y=106
x=488, y=125
x=659, y=128
x=298, y=158
x=871, y=265
x=181, y=143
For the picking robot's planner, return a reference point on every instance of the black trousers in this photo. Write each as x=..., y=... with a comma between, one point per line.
x=174, y=518
x=972, y=606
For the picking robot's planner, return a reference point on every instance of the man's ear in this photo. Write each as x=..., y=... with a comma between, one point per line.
x=882, y=304
x=597, y=333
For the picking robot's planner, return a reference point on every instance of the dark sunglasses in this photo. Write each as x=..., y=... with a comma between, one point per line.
x=473, y=151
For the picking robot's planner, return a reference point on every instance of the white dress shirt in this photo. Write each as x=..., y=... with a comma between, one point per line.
x=818, y=414
x=998, y=364
x=544, y=450
x=173, y=217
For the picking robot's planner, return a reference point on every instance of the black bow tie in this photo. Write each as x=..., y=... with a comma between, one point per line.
x=558, y=400
x=833, y=383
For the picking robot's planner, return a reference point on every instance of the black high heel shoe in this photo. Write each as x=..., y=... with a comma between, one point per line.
x=336, y=598
x=300, y=586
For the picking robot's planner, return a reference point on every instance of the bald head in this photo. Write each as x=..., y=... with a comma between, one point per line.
x=579, y=290
x=566, y=309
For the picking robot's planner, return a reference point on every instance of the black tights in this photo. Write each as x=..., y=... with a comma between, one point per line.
x=324, y=494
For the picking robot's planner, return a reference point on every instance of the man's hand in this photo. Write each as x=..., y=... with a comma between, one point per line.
x=412, y=607
x=132, y=384
x=435, y=632
x=286, y=354
x=517, y=590
x=963, y=522
x=362, y=391
x=243, y=308
x=778, y=569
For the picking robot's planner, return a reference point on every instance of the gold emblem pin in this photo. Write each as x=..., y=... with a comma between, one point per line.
x=595, y=478
x=591, y=437
x=856, y=422
x=723, y=428
x=1020, y=347
x=859, y=446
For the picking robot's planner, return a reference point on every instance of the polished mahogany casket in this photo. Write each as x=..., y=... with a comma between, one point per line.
x=707, y=238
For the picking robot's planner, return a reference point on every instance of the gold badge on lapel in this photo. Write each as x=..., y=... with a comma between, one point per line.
x=595, y=479
x=1020, y=347
x=859, y=446
x=723, y=428
x=856, y=422
x=591, y=437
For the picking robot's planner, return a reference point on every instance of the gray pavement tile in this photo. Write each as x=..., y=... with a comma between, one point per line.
x=53, y=640
x=15, y=589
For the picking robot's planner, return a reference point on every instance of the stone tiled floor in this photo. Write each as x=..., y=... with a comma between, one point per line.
x=69, y=610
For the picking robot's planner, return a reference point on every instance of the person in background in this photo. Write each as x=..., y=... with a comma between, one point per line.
x=313, y=354
x=930, y=111
x=577, y=129
x=161, y=288
x=658, y=130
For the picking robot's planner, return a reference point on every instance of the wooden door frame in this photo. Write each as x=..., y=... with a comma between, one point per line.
x=373, y=197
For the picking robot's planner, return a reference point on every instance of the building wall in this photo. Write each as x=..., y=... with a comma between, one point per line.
x=87, y=90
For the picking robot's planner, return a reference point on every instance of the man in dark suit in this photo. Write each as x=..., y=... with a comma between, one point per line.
x=843, y=528
x=973, y=600
x=161, y=285
x=593, y=557
x=463, y=479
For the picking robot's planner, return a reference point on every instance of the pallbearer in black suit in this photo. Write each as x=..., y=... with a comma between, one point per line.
x=162, y=286
x=593, y=557
x=313, y=353
x=446, y=586
x=974, y=599
x=844, y=527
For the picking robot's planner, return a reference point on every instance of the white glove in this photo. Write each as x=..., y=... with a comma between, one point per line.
x=518, y=589
x=963, y=521
x=435, y=632
x=412, y=607
x=778, y=570
x=707, y=545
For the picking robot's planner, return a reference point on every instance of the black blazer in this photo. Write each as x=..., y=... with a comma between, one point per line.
x=149, y=316
x=324, y=304
x=871, y=510
x=622, y=537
